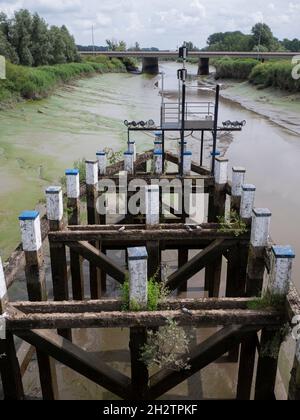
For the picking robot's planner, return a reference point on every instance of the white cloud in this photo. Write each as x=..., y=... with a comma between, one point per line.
x=162, y=23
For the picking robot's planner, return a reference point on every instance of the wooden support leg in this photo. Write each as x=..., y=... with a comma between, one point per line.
x=36, y=288
x=183, y=258
x=95, y=287
x=139, y=372
x=75, y=260
x=246, y=368
x=213, y=277
x=10, y=370
x=154, y=260
x=294, y=386
x=267, y=366
x=255, y=271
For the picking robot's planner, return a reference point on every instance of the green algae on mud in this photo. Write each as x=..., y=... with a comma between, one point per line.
x=280, y=107
x=40, y=139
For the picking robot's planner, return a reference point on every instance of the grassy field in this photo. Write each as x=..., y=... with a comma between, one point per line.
x=277, y=74
x=39, y=82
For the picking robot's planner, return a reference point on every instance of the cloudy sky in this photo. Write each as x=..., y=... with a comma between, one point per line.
x=162, y=23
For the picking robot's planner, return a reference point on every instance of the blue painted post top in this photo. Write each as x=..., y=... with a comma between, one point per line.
x=100, y=154
x=187, y=154
x=214, y=154
x=53, y=190
x=249, y=187
x=158, y=152
x=158, y=133
x=283, y=251
x=72, y=172
x=128, y=153
x=29, y=215
x=262, y=212
x=137, y=253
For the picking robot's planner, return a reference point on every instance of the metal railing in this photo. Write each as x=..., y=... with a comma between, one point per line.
x=171, y=112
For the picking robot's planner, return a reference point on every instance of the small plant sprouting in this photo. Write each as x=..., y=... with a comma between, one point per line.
x=112, y=156
x=157, y=294
x=166, y=348
x=267, y=301
x=80, y=165
x=232, y=223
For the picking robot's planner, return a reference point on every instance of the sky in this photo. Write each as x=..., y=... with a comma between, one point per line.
x=162, y=23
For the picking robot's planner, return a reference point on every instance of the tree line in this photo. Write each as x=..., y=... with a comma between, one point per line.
x=28, y=40
x=261, y=39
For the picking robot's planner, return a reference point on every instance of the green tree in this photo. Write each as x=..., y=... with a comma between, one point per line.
x=20, y=36
x=70, y=49
x=57, y=46
x=40, y=41
x=262, y=35
x=6, y=49
x=114, y=45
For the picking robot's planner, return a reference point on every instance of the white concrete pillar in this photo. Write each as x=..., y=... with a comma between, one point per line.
x=102, y=162
x=281, y=270
x=132, y=148
x=138, y=277
x=54, y=200
x=91, y=167
x=158, y=162
x=261, y=220
x=73, y=183
x=3, y=297
x=128, y=162
x=31, y=227
x=152, y=204
x=221, y=171
x=187, y=163
x=238, y=179
x=158, y=145
x=247, y=201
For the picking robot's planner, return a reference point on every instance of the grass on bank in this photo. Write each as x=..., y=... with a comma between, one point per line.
x=277, y=74
x=38, y=82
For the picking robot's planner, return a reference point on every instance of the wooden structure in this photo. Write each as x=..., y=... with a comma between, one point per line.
x=46, y=326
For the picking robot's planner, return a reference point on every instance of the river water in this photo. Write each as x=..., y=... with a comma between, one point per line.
x=39, y=140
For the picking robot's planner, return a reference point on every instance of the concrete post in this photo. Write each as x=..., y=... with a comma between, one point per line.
x=238, y=179
x=187, y=163
x=247, y=202
x=132, y=148
x=259, y=240
x=261, y=221
x=152, y=204
x=138, y=277
x=221, y=171
x=281, y=270
x=102, y=162
x=91, y=172
x=31, y=230
x=158, y=162
x=128, y=162
x=73, y=184
x=55, y=209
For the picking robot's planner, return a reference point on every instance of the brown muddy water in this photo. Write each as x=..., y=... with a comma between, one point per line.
x=39, y=140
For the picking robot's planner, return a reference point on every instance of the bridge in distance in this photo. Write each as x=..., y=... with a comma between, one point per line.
x=150, y=58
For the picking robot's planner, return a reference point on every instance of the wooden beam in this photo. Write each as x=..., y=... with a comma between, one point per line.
x=141, y=235
x=196, y=318
x=107, y=305
x=196, y=264
x=24, y=355
x=195, y=168
x=204, y=354
x=98, y=259
x=79, y=360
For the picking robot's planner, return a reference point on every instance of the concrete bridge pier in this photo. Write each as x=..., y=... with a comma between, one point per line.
x=150, y=65
x=203, y=69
